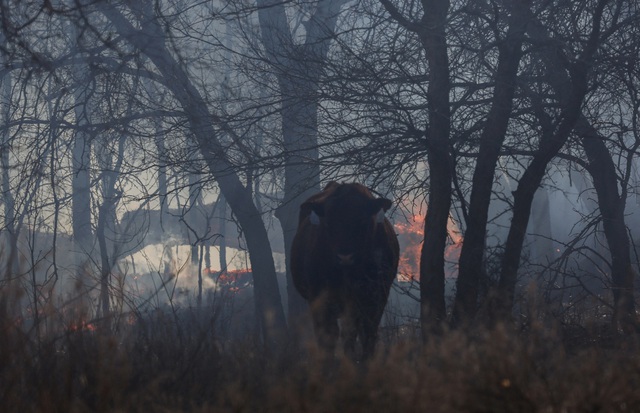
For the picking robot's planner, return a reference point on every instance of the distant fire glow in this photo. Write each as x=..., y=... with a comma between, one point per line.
x=231, y=280
x=410, y=234
x=82, y=325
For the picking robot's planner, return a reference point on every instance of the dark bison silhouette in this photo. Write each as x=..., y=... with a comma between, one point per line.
x=344, y=259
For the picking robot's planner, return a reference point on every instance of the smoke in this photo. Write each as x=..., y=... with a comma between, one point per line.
x=167, y=273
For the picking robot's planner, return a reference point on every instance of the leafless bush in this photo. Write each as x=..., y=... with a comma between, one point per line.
x=177, y=361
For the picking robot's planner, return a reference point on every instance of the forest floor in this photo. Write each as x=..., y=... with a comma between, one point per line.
x=171, y=362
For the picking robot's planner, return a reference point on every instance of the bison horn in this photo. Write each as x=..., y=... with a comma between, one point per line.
x=314, y=218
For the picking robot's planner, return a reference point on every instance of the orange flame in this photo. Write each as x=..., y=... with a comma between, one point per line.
x=231, y=280
x=82, y=325
x=411, y=238
x=410, y=234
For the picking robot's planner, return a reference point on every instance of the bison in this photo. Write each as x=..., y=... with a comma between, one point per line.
x=344, y=259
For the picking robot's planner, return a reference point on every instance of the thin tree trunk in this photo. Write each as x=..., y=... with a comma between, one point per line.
x=301, y=181
x=190, y=217
x=298, y=80
x=110, y=170
x=81, y=164
x=612, y=205
x=433, y=37
x=550, y=145
x=163, y=190
x=7, y=195
x=502, y=302
x=493, y=134
x=150, y=40
x=610, y=202
x=222, y=219
x=105, y=263
x=81, y=184
x=431, y=30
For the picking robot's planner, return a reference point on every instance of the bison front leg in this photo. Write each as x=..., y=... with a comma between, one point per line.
x=349, y=331
x=372, y=308
x=324, y=312
x=369, y=334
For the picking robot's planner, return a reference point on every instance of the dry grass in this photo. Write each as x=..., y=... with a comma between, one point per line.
x=175, y=362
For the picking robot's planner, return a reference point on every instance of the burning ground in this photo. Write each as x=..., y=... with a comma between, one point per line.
x=410, y=234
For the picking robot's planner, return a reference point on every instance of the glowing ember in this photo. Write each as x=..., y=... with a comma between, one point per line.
x=82, y=325
x=232, y=280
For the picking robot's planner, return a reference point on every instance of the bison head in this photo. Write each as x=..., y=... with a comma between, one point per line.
x=348, y=217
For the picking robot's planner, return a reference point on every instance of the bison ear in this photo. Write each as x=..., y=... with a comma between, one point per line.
x=385, y=203
x=379, y=206
x=317, y=211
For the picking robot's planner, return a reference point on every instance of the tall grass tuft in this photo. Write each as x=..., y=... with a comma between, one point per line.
x=174, y=361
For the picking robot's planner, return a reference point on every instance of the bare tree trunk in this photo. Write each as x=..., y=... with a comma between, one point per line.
x=301, y=181
x=163, y=190
x=162, y=173
x=612, y=205
x=501, y=303
x=150, y=40
x=81, y=166
x=7, y=196
x=431, y=30
x=104, y=210
x=81, y=180
x=222, y=219
x=472, y=254
x=221, y=203
x=298, y=80
x=433, y=36
x=610, y=202
x=190, y=215
x=551, y=142
x=106, y=222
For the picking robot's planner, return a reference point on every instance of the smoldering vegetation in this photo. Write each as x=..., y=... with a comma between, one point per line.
x=176, y=360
